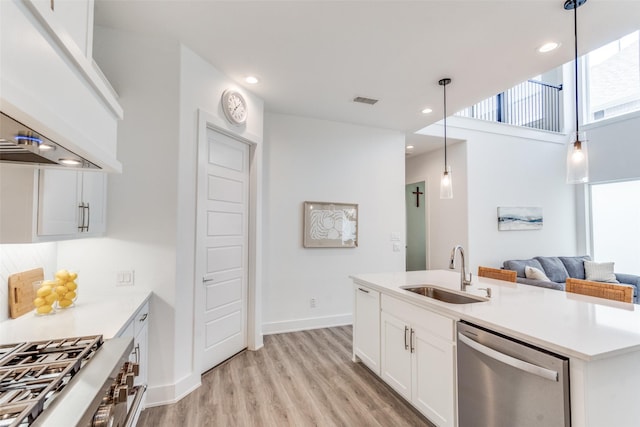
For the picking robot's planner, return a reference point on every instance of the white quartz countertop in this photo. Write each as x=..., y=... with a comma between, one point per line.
x=574, y=325
x=101, y=314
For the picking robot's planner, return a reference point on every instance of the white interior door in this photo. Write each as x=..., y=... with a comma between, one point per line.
x=223, y=246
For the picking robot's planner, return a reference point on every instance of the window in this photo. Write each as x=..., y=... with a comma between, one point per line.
x=612, y=79
x=615, y=230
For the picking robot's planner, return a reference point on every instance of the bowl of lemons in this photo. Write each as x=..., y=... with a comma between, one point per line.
x=66, y=288
x=46, y=297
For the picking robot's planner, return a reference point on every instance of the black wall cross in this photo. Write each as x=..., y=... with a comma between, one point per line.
x=417, y=193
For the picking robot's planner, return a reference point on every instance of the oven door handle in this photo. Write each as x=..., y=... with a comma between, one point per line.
x=547, y=374
x=132, y=415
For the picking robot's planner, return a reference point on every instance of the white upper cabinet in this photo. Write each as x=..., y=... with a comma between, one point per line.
x=49, y=82
x=71, y=203
x=74, y=19
x=51, y=204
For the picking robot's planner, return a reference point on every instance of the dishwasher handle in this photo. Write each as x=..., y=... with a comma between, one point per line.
x=545, y=373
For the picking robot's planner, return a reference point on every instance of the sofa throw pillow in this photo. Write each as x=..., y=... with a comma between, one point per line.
x=535, y=273
x=600, y=271
x=518, y=265
x=575, y=265
x=553, y=268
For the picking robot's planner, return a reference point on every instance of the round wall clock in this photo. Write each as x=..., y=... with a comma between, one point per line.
x=234, y=107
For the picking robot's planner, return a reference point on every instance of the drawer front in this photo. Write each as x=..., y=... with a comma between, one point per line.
x=433, y=323
x=141, y=319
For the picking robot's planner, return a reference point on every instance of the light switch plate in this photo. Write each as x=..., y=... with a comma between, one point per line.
x=125, y=278
x=395, y=236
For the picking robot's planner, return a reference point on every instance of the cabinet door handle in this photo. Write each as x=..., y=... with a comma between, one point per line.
x=144, y=317
x=363, y=290
x=81, y=219
x=136, y=352
x=406, y=345
x=412, y=340
x=86, y=227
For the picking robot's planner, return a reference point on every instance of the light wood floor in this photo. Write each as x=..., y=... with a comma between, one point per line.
x=298, y=379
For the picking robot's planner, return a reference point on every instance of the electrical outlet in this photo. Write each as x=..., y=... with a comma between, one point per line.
x=125, y=278
x=396, y=247
x=313, y=302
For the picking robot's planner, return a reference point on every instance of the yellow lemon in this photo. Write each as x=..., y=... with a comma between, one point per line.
x=38, y=302
x=64, y=303
x=61, y=290
x=73, y=276
x=49, y=283
x=44, y=309
x=62, y=275
x=44, y=290
x=70, y=295
x=72, y=286
x=51, y=298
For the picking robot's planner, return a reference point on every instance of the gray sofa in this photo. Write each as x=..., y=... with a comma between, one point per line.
x=558, y=269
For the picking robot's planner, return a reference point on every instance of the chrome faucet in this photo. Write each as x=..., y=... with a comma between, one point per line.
x=452, y=265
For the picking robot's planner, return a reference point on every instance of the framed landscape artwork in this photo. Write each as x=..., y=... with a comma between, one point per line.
x=519, y=218
x=330, y=225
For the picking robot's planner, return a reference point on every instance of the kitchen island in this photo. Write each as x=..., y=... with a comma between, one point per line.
x=601, y=338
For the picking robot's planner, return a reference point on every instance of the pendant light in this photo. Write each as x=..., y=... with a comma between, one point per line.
x=577, y=153
x=446, y=182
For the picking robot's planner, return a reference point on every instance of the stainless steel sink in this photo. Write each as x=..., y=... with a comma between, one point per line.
x=444, y=295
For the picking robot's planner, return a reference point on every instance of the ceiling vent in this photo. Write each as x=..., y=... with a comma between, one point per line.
x=363, y=100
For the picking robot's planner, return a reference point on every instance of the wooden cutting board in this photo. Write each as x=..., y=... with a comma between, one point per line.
x=21, y=292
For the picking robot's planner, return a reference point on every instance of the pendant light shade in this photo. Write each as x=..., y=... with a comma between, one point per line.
x=577, y=159
x=577, y=152
x=446, y=181
x=446, y=184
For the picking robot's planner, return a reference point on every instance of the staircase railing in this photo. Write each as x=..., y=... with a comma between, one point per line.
x=533, y=104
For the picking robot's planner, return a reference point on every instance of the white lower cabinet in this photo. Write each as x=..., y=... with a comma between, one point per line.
x=418, y=358
x=366, y=330
x=396, y=354
x=138, y=329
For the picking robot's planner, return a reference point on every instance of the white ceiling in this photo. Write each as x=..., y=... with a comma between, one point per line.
x=314, y=57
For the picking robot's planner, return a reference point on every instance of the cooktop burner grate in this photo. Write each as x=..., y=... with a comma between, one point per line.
x=32, y=373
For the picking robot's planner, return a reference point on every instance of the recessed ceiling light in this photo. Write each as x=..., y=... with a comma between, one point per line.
x=251, y=80
x=410, y=147
x=548, y=47
x=427, y=111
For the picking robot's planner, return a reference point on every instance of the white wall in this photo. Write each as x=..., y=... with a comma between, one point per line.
x=316, y=160
x=142, y=201
x=152, y=206
x=447, y=219
x=503, y=169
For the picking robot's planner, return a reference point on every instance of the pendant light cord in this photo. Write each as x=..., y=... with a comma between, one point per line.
x=445, y=126
x=575, y=34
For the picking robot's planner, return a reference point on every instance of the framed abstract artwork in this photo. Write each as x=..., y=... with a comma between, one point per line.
x=330, y=225
x=519, y=218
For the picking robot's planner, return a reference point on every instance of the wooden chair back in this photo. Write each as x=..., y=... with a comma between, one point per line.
x=610, y=291
x=496, y=273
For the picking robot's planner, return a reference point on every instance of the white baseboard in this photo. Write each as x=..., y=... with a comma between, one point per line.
x=305, y=324
x=172, y=393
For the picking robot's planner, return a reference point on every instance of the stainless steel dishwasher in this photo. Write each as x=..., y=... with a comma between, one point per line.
x=503, y=382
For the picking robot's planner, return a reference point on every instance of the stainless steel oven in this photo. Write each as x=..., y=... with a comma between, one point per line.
x=80, y=381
